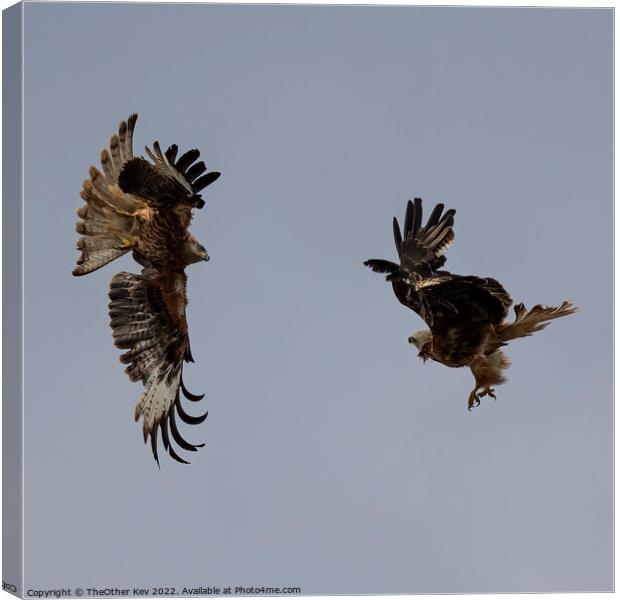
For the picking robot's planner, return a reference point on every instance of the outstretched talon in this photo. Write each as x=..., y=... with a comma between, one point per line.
x=488, y=392
x=474, y=400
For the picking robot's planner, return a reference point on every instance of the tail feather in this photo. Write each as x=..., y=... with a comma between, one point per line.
x=107, y=215
x=528, y=322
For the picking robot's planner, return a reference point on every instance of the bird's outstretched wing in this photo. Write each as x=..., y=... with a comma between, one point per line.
x=147, y=316
x=453, y=306
x=166, y=181
x=420, y=248
x=421, y=253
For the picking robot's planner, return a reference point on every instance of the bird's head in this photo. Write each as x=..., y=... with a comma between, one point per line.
x=194, y=251
x=422, y=340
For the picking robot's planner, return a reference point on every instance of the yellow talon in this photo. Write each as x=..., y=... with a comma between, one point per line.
x=125, y=243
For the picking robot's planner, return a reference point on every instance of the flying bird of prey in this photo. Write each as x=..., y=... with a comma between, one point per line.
x=466, y=315
x=145, y=207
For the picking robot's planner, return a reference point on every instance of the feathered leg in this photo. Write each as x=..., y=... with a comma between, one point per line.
x=487, y=371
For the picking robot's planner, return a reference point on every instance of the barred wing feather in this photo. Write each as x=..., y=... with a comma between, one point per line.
x=156, y=347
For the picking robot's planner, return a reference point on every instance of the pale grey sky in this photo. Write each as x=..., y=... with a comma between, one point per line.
x=335, y=460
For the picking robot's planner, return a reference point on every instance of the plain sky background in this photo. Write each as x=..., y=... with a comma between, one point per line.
x=335, y=460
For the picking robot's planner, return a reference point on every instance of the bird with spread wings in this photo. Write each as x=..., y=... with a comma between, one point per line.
x=466, y=315
x=145, y=207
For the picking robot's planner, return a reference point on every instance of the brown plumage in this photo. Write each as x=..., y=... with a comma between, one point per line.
x=146, y=207
x=466, y=314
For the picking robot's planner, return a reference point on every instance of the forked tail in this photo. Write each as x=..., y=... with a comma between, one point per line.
x=107, y=215
x=528, y=322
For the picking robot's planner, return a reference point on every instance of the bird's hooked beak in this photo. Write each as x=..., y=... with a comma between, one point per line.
x=413, y=340
x=204, y=255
